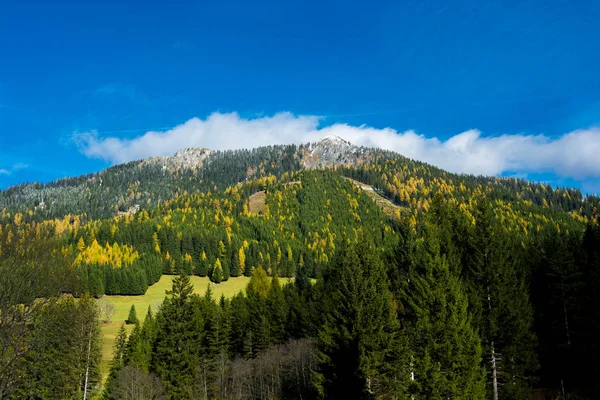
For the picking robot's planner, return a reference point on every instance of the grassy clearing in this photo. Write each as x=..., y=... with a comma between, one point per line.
x=258, y=202
x=386, y=205
x=153, y=298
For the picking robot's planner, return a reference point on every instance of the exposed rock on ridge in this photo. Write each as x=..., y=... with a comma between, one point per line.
x=332, y=151
x=190, y=158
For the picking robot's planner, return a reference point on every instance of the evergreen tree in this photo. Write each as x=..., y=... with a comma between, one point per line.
x=132, y=318
x=259, y=284
x=360, y=344
x=119, y=359
x=239, y=322
x=445, y=350
x=178, y=339
x=64, y=348
x=217, y=273
x=277, y=311
x=141, y=342
x=499, y=299
x=258, y=335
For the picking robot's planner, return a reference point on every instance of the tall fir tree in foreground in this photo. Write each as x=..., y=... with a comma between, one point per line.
x=118, y=361
x=499, y=300
x=444, y=348
x=178, y=339
x=360, y=346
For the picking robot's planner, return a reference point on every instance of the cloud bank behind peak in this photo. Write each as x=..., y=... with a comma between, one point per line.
x=572, y=155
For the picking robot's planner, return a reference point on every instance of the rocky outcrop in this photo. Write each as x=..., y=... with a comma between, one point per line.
x=332, y=151
x=329, y=152
x=187, y=158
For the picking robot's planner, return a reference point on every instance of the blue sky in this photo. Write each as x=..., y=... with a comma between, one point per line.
x=80, y=81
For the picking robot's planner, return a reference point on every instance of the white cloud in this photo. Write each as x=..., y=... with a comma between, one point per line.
x=572, y=155
x=14, y=168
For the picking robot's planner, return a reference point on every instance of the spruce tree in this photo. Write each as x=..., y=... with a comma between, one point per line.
x=141, y=342
x=89, y=344
x=119, y=359
x=259, y=283
x=217, y=273
x=179, y=339
x=499, y=300
x=277, y=311
x=132, y=318
x=119, y=351
x=444, y=347
x=360, y=344
x=258, y=336
x=590, y=309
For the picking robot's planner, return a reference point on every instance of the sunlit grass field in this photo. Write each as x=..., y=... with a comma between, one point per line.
x=153, y=298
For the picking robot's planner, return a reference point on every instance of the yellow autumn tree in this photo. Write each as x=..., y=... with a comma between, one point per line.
x=242, y=259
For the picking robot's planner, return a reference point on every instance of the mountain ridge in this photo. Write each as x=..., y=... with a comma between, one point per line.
x=330, y=151
x=142, y=184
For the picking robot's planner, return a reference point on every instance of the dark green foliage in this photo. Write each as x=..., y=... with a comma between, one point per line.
x=564, y=293
x=64, y=343
x=277, y=310
x=118, y=361
x=179, y=338
x=141, y=342
x=500, y=297
x=132, y=318
x=361, y=345
x=119, y=350
x=445, y=349
x=217, y=273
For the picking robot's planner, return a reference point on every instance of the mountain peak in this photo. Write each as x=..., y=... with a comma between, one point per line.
x=331, y=151
x=191, y=157
x=334, y=139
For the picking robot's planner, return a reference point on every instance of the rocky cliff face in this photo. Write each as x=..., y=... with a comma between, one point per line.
x=186, y=158
x=332, y=151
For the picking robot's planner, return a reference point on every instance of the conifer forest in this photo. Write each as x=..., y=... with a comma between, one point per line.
x=458, y=287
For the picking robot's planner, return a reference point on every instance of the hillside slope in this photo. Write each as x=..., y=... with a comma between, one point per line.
x=143, y=184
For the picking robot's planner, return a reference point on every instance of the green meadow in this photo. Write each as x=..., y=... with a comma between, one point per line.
x=153, y=298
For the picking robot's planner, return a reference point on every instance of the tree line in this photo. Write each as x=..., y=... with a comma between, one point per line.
x=451, y=312
x=463, y=297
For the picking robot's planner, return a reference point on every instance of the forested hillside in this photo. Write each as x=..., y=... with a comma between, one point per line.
x=474, y=287
x=147, y=183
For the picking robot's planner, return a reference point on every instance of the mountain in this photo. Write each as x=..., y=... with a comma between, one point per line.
x=334, y=151
x=473, y=286
x=145, y=183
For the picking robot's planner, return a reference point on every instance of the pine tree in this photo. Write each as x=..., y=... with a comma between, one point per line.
x=499, y=300
x=360, y=344
x=217, y=274
x=178, y=339
x=590, y=306
x=277, y=311
x=132, y=318
x=119, y=351
x=444, y=347
x=141, y=342
x=119, y=358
